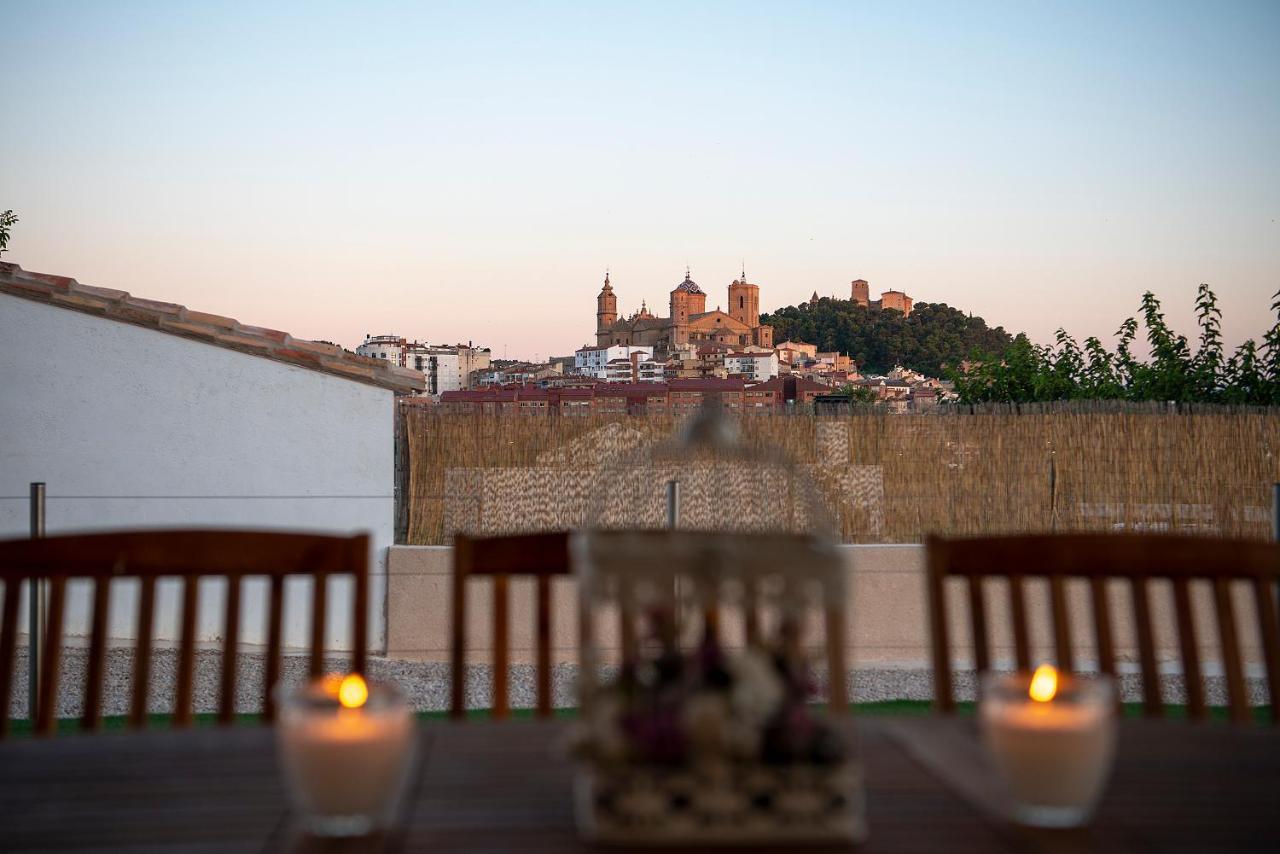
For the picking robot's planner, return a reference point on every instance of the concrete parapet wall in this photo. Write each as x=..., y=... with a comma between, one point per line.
x=887, y=615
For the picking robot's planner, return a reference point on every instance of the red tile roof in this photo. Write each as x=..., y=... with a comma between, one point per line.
x=175, y=319
x=709, y=384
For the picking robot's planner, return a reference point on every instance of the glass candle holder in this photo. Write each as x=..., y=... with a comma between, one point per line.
x=1052, y=738
x=345, y=747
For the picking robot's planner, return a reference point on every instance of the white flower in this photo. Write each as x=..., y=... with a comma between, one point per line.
x=757, y=691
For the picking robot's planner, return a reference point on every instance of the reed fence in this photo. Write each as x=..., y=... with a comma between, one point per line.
x=884, y=478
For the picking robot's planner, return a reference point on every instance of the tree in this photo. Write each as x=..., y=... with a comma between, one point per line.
x=7, y=220
x=1028, y=373
x=878, y=339
x=858, y=394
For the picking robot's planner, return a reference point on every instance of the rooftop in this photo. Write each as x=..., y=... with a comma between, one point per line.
x=174, y=319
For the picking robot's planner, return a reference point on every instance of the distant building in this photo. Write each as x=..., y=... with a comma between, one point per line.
x=447, y=368
x=755, y=367
x=689, y=320
x=595, y=361
x=896, y=300
x=387, y=347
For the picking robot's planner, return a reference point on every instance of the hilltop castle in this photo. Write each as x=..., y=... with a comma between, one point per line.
x=889, y=299
x=689, y=323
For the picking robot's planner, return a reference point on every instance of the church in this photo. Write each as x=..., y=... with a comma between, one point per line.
x=689, y=322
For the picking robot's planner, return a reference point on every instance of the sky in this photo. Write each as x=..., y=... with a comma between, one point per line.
x=467, y=172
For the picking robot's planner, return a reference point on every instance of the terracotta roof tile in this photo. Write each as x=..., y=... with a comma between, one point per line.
x=214, y=329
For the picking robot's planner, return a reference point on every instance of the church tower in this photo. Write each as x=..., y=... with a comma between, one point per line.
x=744, y=302
x=686, y=299
x=606, y=312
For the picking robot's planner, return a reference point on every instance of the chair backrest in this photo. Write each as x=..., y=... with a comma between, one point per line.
x=538, y=555
x=189, y=555
x=1098, y=558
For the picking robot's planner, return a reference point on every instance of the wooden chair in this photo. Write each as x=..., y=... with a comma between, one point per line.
x=191, y=555
x=538, y=555
x=1135, y=558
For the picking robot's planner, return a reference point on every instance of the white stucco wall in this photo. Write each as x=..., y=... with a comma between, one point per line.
x=131, y=427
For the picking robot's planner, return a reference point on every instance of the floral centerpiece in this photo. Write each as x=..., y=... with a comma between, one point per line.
x=714, y=746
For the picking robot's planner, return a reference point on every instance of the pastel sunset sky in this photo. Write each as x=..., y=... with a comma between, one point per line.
x=467, y=171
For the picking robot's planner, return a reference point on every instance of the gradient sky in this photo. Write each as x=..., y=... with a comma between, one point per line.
x=467, y=172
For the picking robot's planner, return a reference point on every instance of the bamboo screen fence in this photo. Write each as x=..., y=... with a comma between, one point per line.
x=885, y=478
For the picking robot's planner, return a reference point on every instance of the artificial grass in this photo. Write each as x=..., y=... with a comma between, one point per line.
x=887, y=708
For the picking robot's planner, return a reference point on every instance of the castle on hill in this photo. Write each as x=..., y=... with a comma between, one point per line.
x=689, y=321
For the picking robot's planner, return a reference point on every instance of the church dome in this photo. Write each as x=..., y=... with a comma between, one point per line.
x=688, y=286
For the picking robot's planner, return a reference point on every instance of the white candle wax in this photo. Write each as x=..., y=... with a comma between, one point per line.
x=347, y=762
x=1052, y=754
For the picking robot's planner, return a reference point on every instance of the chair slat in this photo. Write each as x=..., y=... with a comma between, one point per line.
x=1018, y=611
x=501, y=645
x=1061, y=623
x=1152, y=704
x=51, y=665
x=544, y=646
x=8, y=643
x=319, y=618
x=185, y=690
x=91, y=720
x=142, y=653
x=937, y=556
x=978, y=620
x=1102, y=633
x=359, y=560
x=1231, y=664
x=275, y=626
x=837, y=669
x=231, y=643
x=751, y=611
x=458, y=648
x=1264, y=593
x=627, y=621
x=1190, y=652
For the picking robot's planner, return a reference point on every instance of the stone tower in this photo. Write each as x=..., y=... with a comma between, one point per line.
x=744, y=302
x=606, y=311
x=861, y=292
x=686, y=299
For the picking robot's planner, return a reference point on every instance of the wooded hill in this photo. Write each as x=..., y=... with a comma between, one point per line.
x=878, y=339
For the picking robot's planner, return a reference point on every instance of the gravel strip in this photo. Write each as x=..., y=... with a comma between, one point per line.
x=427, y=683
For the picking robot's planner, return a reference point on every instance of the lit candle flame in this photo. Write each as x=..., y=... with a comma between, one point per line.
x=353, y=693
x=1044, y=683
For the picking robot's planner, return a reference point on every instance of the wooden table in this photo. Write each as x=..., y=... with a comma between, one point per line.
x=503, y=787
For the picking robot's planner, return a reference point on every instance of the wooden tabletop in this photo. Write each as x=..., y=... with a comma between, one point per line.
x=501, y=787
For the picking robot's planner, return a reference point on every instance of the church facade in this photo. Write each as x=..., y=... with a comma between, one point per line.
x=689, y=321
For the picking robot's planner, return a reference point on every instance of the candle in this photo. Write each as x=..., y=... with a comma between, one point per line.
x=345, y=752
x=1052, y=740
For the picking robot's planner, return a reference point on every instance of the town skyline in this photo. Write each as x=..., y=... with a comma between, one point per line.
x=470, y=172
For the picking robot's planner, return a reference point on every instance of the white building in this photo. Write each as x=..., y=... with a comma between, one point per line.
x=594, y=361
x=755, y=367
x=155, y=416
x=650, y=371
x=388, y=347
x=446, y=368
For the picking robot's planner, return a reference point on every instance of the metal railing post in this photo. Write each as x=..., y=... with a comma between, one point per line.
x=36, y=606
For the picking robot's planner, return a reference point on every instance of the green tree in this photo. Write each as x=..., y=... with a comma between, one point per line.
x=7, y=220
x=878, y=339
x=1025, y=372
